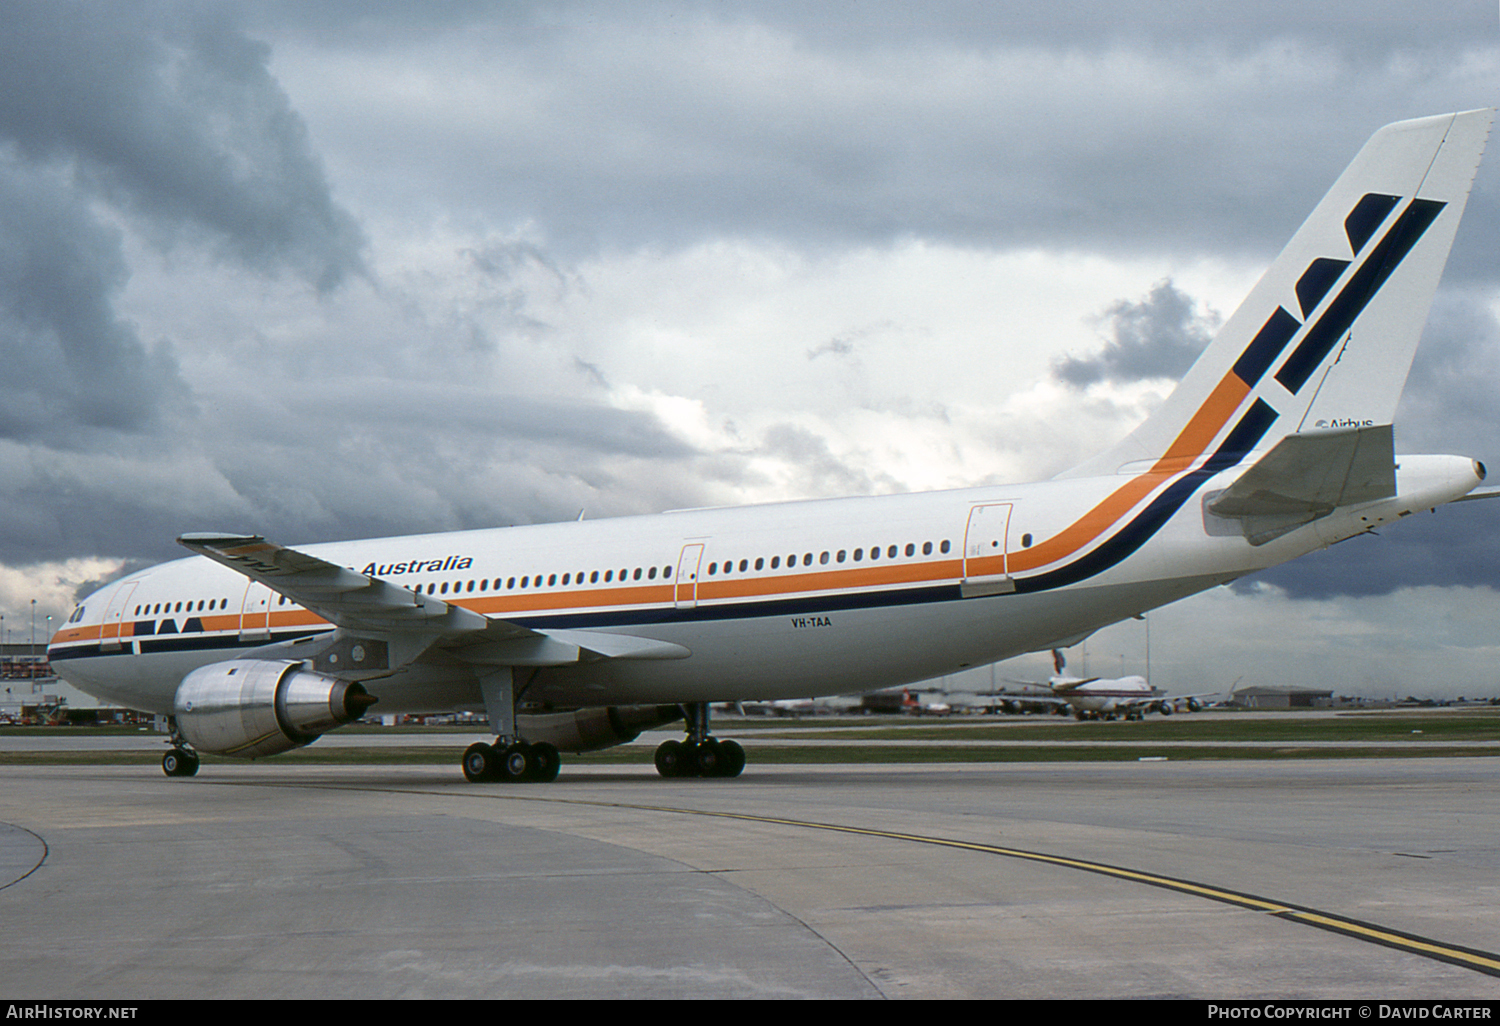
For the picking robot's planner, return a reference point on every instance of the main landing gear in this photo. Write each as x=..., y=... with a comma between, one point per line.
x=509, y=759
x=517, y=762
x=698, y=754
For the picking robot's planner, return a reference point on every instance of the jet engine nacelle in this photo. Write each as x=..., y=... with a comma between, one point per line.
x=589, y=730
x=249, y=708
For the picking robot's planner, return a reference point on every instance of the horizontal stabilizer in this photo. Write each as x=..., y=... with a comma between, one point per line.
x=1307, y=476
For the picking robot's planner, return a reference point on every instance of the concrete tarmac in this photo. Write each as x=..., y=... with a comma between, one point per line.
x=279, y=880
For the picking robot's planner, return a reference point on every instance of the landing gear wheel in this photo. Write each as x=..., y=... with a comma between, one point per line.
x=515, y=763
x=670, y=758
x=706, y=758
x=731, y=759
x=545, y=762
x=481, y=763
x=179, y=762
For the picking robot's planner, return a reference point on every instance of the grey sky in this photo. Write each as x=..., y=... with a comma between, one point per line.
x=342, y=269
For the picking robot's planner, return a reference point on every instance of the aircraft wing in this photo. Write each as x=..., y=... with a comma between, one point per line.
x=1307, y=476
x=339, y=595
x=1064, y=687
x=361, y=605
x=1162, y=696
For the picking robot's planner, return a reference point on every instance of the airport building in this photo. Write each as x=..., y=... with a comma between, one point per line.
x=1281, y=698
x=31, y=692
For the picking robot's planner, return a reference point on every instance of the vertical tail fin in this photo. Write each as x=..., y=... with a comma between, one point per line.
x=1326, y=338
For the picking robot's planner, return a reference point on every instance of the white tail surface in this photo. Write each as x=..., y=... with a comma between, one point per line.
x=1326, y=337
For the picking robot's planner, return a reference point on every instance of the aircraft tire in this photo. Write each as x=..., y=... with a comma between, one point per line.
x=706, y=759
x=731, y=759
x=516, y=763
x=179, y=762
x=544, y=762
x=481, y=763
x=670, y=758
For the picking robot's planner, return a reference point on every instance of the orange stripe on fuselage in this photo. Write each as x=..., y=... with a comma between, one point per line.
x=1189, y=446
x=1186, y=449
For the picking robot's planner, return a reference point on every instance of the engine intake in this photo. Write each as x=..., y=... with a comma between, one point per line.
x=249, y=708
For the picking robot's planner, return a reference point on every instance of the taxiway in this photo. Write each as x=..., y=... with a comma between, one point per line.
x=279, y=880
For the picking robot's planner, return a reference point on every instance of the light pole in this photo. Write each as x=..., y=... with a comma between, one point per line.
x=33, y=639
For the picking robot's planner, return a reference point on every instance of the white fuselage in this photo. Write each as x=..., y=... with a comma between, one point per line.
x=1100, y=695
x=770, y=602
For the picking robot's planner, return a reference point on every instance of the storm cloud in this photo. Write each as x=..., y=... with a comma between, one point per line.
x=1158, y=337
x=340, y=269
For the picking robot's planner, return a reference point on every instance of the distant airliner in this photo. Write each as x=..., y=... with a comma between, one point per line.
x=577, y=636
x=1105, y=697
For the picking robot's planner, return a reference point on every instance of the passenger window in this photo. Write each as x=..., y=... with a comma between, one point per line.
x=944, y=547
x=911, y=550
x=891, y=552
x=823, y=559
x=775, y=562
x=927, y=548
x=651, y=576
x=760, y=562
x=637, y=573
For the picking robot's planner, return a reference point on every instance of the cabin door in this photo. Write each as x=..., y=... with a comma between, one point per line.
x=255, y=614
x=986, y=551
x=114, y=615
x=685, y=589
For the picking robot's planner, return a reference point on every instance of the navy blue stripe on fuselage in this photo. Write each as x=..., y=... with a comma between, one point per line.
x=1241, y=440
x=1245, y=435
x=1358, y=292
